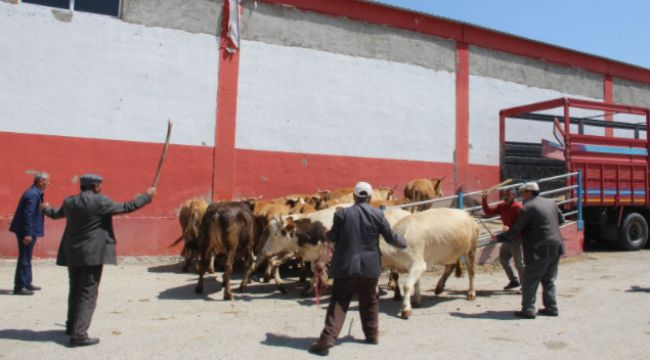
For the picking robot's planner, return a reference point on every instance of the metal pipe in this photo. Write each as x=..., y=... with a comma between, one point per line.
x=564, y=189
x=423, y=202
x=566, y=201
x=574, y=212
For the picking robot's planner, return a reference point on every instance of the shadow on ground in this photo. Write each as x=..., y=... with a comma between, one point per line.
x=6, y=292
x=176, y=268
x=299, y=343
x=488, y=315
x=55, y=336
x=636, y=288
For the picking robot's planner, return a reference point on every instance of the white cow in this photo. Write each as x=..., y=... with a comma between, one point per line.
x=434, y=237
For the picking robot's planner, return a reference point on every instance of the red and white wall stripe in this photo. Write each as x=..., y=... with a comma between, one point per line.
x=280, y=116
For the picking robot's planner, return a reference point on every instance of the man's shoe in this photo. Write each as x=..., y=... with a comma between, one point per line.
x=371, y=340
x=33, y=287
x=23, y=291
x=525, y=314
x=320, y=347
x=512, y=284
x=547, y=312
x=83, y=342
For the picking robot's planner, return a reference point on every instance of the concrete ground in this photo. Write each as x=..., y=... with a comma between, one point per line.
x=147, y=309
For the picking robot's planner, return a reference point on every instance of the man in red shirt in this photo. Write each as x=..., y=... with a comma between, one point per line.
x=508, y=210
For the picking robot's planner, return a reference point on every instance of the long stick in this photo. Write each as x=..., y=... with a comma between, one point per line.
x=164, y=153
x=492, y=188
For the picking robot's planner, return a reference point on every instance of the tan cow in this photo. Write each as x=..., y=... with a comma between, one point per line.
x=434, y=237
x=190, y=217
x=421, y=190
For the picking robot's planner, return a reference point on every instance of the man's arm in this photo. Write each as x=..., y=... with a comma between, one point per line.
x=489, y=211
x=109, y=207
x=31, y=207
x=560, y=216
x=515, y=231
x=53, y=213
x=333, y=234
x=390, y=236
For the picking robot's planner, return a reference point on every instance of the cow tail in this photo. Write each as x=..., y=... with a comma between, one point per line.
x=459, y=268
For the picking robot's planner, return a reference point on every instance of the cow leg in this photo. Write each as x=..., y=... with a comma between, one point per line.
x=443, y=279
x=303, y=272
x=227, y=294
x=412, y=277
x=201, y=270
x=469, y=262
x=250, y=271
x=397, y=296
x=417, y=294
x=211, y=263
x=278, y=280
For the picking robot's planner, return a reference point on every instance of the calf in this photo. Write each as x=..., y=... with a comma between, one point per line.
x=190, y=217
x=422, y=189
x=227, y=228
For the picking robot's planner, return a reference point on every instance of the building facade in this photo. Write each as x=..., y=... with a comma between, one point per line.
x=320, y=94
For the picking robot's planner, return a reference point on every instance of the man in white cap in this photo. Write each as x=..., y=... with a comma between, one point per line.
x=27, y=224
x=538, y=224
x=88, y=243
x=356, y=267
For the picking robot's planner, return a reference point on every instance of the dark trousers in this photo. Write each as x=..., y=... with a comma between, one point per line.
x=82, y=299
x=545, y=271
x=23, y=276
x=342, y=292
x=512, y=250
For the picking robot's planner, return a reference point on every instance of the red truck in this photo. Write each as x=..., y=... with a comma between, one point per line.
x=606, y=144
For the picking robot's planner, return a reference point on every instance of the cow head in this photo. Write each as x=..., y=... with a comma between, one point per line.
x=436, y=186
x=281, y=235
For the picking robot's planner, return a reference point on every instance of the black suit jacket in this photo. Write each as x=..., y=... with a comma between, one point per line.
x=355, y=232
x=88, y=238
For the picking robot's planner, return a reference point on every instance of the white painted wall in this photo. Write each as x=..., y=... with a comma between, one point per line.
x=487, y=96
x=301, y=100
x=98, y=77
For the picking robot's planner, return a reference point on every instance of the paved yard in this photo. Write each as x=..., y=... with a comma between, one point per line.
x=147, y=309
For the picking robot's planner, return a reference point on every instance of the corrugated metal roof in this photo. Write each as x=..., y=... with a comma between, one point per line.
x=426, y=14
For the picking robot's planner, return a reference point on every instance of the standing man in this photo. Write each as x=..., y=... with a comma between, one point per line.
x=27, y=224
x=539, y=226
x=356, y=267
x=508, y=210
x=88, y=243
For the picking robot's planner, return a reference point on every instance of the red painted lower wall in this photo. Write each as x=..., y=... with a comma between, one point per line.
x=128, y=169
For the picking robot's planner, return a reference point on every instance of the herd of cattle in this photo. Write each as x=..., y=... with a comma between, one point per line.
x=294, y=227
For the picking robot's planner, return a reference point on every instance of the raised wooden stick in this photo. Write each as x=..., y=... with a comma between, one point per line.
x=164, y=153
x=492, y=188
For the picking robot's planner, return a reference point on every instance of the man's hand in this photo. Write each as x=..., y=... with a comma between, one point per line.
x=27, y=240
x=151, y=191
x=493, y=237
x=506, y=228
x=484, y=194
x=43, y=206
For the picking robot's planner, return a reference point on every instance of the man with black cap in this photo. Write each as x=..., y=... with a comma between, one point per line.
x=27, y=224
x=538, y=224
x=356, y=267
x=88, y=243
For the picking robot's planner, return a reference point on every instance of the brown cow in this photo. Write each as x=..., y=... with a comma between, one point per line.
x=228, y=228
x=421, y=190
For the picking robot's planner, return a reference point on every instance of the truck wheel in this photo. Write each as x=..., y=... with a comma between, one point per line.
x=633, y=234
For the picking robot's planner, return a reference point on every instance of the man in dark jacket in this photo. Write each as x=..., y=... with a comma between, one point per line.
x=539, y=226
x=88, y=243
x=27, y=224
x=356, y=267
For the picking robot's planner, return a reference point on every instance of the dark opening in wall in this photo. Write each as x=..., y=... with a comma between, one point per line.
x=104, y=7
x=64, y=4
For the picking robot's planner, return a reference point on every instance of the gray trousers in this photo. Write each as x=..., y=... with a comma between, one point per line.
x=82, y=298
x=512, y=250
x=545, y=271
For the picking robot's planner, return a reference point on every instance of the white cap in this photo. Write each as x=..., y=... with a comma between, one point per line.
x=530, y=186
x=362, y=189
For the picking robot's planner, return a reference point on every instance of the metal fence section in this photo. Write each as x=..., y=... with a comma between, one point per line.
x=567, y=191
